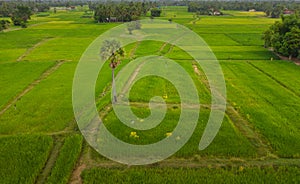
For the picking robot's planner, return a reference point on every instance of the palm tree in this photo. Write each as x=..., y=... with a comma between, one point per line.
x=111, y=51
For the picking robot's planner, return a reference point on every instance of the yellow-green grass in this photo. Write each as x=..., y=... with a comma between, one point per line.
x=67, y=49
x=22, y=157
x=15, y=77
x=247, y=39
x=176, y=12
x=244, y=55
x=35, y=19
x=228, y=134
x=146, y=48
x=218, y=39
x=266, y=104
x=278, y=71
x=231, y=20
x=144, y=89
x=11, y=55
x=245, y=13
x=234, y=39
x=266, y=96
x=46, y=108
x=51, y=39
x=192, y=175
x=21, y=39
x=227, y=53
x=229, y=28
x=66, y=160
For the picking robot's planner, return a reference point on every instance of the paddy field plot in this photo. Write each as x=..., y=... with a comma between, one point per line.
x=258, y=140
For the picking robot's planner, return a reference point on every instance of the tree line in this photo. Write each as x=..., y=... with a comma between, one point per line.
x=284, y=37
x=7, y=8
x=272, y=8
x=125, y=11
x=120, y=11
x=19, y=12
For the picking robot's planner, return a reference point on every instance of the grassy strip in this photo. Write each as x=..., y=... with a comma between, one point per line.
x=23, y=157
x=66, y=160
x=193, y=175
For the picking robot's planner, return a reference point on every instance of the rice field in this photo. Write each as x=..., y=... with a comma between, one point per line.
x=258, y=141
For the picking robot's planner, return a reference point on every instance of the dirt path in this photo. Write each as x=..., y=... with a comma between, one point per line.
x=58, y=142
x=131, y=78
x=133, y=50
x=19, y=28
x=170, y=105
x=163, y=46
x=257, y=140
x=32, y=48
x=76, y=178
x=12, y=29
x=242, y=125
x=60, y=133
x=93, y=127
x=207, y=162
x=295, y=60
x=229, y=162
x=137, y=70
x=196, y=70
x=31, y=86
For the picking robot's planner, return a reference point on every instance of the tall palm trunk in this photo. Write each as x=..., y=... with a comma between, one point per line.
x=114, y=99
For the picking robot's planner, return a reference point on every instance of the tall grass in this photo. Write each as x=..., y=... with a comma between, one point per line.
x=66, y=160
x=22, y=157
x=192, y=175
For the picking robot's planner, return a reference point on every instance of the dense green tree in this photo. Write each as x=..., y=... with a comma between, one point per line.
x=5, y=10
x=291, y=43
x=155, y=12
x=284, y=36
x=276, y=11
x=21, y=15
x=267, y=36
x=121, y=12
x=4, y=24
x=271, y=8
x=101, y=13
